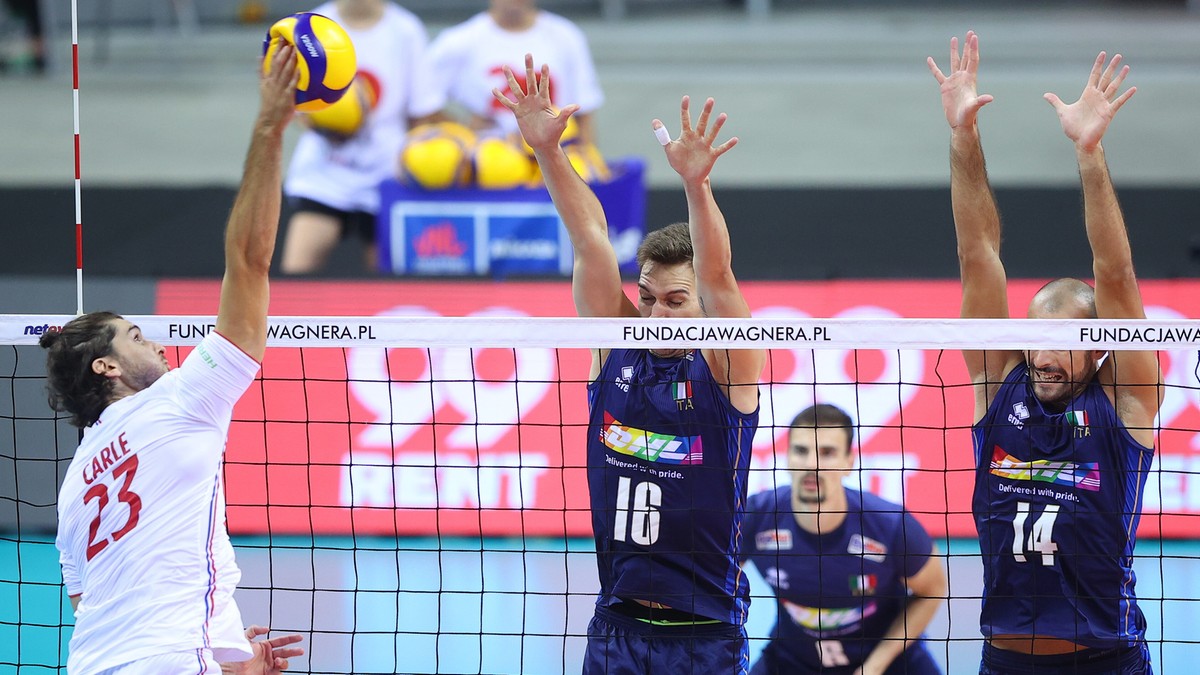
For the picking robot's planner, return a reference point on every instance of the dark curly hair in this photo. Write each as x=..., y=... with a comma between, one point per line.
x=71, y=384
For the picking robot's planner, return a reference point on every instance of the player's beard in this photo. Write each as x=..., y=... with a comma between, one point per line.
x=140, y=375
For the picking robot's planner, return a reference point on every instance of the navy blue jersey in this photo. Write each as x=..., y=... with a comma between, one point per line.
x=838, y=591
x=1057, y=501
x=668, y=461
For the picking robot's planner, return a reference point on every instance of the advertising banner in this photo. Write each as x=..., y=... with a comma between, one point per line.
x=500, y=233
x=455, y=441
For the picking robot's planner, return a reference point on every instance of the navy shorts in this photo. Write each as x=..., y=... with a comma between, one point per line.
x=915, y=660
x=622, y=645
x=1115, y=661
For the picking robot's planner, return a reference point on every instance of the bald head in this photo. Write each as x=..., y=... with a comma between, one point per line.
x=1064, y=298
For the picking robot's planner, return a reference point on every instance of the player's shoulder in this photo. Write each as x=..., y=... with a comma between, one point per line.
x=875, y=508
x=770, y=501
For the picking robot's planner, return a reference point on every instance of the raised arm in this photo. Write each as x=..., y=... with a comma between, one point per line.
x=976, y=218
x=596, y=281
x=254, y=220
x=692, y=156
x=1117, y=295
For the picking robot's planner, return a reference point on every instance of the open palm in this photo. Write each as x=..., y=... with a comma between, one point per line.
x=1085, y=121
x=960, y=101
x=540, y=123
x=692, y=155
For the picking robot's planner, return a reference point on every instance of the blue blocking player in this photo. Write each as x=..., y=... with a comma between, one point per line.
x=669, y=432
x=1063, y=439
x=854, y=575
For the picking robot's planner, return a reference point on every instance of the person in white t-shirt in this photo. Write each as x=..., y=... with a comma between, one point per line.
x=145, y=556
x=467, y=61
x=333, y=183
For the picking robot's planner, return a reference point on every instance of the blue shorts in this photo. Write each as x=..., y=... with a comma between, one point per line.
x=622, y=645
x=915, y=660
x=1115, y=661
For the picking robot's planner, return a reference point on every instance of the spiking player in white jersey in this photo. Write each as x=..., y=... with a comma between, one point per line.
x=333, y=183
x=467, y=61
x=145, y=555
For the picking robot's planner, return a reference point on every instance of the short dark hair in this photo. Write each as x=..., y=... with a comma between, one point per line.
x=71, y=384
x=824, y=415
x=671, y=245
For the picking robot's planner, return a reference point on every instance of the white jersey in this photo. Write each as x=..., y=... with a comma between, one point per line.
x=141, y=519
x=466, y=61
x=346, y=175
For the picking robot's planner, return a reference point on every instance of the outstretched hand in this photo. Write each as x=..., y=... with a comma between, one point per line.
x=692, y=155
x=1086, y=120
x=539, y=122
x=278, y=89
x=959, y=98
x=270, y=656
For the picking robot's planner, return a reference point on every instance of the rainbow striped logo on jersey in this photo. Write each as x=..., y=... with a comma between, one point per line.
x=649, y=445
x=825, y=620
x=1085, y=476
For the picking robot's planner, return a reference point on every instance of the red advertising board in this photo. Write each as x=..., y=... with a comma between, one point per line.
x=461, y=442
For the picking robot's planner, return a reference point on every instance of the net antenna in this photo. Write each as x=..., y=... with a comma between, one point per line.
x=78, y=194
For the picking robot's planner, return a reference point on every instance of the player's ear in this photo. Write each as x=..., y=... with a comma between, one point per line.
x=106, y=366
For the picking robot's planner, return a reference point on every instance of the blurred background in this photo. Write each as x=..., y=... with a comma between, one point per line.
x=841, y=171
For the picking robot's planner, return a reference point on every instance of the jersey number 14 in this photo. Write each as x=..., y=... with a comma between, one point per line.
x=1041, y=536
x=638, y=524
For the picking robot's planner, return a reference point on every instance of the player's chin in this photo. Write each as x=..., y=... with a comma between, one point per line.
x=1052, y=393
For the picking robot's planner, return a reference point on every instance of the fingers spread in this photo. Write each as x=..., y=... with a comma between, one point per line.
x=937, y=72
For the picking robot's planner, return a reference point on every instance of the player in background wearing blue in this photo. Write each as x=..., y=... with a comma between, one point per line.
x=1063, y=439
x=669, y=432
x=855, y=575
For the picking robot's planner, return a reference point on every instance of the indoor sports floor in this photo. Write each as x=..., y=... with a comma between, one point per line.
x=403, y=606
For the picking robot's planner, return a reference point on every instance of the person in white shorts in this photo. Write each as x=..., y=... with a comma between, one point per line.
x=145, y=556
x=467, y=61
x=333, y=183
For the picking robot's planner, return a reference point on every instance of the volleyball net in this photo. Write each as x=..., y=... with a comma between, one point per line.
x=409, y=490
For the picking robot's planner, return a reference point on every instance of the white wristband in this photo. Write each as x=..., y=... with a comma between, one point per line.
x=663, y=136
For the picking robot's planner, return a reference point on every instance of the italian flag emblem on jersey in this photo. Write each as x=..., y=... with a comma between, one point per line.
x=863, y=584
x=1077, y=417
x=682, y=390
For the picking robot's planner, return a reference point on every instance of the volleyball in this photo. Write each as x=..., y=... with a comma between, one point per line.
x=344, y=118
x=438, y=156
x=324, y=58
x=501, y=164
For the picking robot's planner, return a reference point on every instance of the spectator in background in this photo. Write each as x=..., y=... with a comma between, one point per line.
x=467, y=61
x=332, y=182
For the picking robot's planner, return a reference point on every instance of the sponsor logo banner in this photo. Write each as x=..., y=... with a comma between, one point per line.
x=460, y=442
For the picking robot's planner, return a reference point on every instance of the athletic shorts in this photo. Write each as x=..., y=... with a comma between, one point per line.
x=195, y=662
x=358, y=223
x=622, y=645
x=1115, y=661
x=915, y=660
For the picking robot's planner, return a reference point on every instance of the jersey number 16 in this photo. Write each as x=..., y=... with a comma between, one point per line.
x=647, y=497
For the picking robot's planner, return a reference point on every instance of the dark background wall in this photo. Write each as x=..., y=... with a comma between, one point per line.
x=797, y=233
